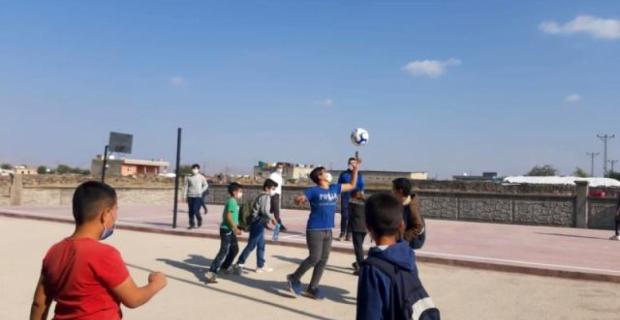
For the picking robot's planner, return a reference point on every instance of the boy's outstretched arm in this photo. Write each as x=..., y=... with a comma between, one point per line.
x=133, y=296
x=40, y=303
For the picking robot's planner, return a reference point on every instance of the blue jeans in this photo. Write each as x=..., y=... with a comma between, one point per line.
x=194, y=205
x=256, y=241
x=228, y=251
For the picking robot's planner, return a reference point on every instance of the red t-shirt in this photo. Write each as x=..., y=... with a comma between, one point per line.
x=80, y=275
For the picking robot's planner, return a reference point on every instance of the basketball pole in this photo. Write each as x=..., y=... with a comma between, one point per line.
x=177, y=172
x=105, y=163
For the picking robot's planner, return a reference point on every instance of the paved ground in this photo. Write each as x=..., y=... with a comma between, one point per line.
x=461, y=293
x=567, y=252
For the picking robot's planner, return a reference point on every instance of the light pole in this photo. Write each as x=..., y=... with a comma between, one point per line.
x=605, y=138
x=592, y=155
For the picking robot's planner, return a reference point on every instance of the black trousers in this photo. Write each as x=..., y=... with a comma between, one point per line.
x=228, y=251
x=275, y=207
x=358, y=246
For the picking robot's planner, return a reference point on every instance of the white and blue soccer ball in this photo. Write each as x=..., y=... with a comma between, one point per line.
x=359, y=137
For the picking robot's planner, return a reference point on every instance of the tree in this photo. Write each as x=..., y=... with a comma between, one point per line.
x=613, y=175
x=63, y=169
x=543, y=171
x=580, y=173
x=6, y=166
x=42, y=170
x=185, y=170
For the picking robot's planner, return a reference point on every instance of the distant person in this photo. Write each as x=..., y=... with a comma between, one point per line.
x=276, y=200
x=228, y=233
x=357, y=223
x=415, y=229
x=86, y=278
x=261, y=216
x=617, y=220
x=388, y=285
x=205, y=197
x=344, y=178
x=195, y=186
x=323, y=199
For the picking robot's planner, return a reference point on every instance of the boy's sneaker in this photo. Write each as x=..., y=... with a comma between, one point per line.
x=316, y=294
x=615, y=238
x=238, y=269
x=211, y=277
x=228, y=270
x=340, y=237
x=356, y=269
x=294, y=286
x=264, y=269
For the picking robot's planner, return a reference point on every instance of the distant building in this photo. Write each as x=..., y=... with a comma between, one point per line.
x=486, y=176
x=25, y=170
x=385, y=177
x=291, y=171
x=128, y=167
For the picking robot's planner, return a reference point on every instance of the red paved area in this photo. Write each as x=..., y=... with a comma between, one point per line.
x=566, y=252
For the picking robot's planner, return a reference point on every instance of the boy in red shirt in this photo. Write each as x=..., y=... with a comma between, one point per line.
x=86, y=278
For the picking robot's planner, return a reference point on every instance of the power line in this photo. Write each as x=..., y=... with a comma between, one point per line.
x=592, y=155
x=605, y=138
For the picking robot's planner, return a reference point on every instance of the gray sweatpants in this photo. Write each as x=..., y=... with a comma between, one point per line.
x=320, y=245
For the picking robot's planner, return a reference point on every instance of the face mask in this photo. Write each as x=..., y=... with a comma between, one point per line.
x=240, y=195
x=280, y=170
x=328, y=177
x=195, y=171
x=351, y=167
x=106, y=233
x=272, y=193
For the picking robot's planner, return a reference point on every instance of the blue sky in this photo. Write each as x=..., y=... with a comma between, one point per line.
x=443, y=86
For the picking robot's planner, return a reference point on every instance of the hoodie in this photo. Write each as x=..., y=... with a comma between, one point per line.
x=373, y=288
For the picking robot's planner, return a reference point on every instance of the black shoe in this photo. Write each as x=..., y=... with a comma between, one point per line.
x=348, y=237
x=199, y=223
x=283, y=228
x=190, y=227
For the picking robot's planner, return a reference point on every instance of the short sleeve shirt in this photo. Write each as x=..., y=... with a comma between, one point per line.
x=322, y=206
x=79, y=275
x=233, y=207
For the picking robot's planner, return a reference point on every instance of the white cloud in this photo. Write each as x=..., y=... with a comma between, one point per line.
x=430, y=68
x=177, y=81
x=597, y=27
x=327, y=102
x=573, y=98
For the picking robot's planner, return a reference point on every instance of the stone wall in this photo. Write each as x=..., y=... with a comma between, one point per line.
x=5, y=189
x=601, y=213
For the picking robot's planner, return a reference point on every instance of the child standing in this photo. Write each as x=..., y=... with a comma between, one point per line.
x=86, y=278
x=357, y=223
x=229, y=246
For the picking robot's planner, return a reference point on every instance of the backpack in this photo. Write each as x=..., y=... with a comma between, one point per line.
x=409, y=300
x=245, y=215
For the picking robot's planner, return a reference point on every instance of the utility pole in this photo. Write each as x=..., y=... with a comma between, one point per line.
x=612, y=162
x=592, y=155
x=605, y=138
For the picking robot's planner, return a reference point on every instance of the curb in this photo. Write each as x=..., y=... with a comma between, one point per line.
x=421, y=256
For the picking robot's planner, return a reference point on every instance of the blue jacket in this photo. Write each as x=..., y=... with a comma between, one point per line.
x=373, y=289
x=347, y=177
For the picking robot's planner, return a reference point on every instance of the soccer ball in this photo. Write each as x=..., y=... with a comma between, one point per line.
x=359, y=137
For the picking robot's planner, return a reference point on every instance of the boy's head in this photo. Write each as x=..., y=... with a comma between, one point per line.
x=270, y=186
x=95, y=202
x=384, y=216
x=320, y=175
x=280, y=167
x=195, y=168
x=401, y=188
x=235, y=190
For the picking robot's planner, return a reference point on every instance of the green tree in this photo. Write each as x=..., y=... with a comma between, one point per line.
x=614, y=175
x=542, y=171
x=6, y=166
x=42, y=170
x=63, y=169
x=580, y=173
x=185, y=170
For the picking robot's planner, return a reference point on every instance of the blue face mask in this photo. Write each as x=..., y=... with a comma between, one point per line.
x=106, y=233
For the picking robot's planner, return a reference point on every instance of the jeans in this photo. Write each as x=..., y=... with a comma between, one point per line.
x=194, y=205
x=229, y=248
x=256, y=241
x=344, y=216
x=358, y=246
x=320, y=245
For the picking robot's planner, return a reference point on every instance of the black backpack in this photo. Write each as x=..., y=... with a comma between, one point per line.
x=409, y=300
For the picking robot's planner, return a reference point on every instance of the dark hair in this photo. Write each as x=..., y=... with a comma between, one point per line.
x=280, y=164
x=403, y=185
x=315, y=173
x=351, y=159
x=384, y=214
x=269, y=184
x=90, y=198
x=195, y=166
x=234, y=187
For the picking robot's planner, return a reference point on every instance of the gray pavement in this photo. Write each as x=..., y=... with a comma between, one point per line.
x=461, y=293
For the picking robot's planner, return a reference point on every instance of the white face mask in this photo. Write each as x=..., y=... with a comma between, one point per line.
x=351, y=167
x=280, y=170
x=195, y=171
x=240, y=195
x=329, y=177
x=272, y=192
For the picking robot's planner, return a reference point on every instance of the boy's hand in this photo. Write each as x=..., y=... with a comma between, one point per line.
x=157, y=279
x=238, y=231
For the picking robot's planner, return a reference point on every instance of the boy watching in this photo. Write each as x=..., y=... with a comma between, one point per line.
x=323, y=199
x=86, y=278
x=229, y=246
x=415, y=231
x=388, y=285
x=261, y=216
x=357, y=223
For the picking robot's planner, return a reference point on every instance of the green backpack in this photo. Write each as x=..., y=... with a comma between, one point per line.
x=245, y=215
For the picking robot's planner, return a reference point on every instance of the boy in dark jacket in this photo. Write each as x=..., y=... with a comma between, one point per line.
x=357, y=224
x=388, y=285
x=415, y=231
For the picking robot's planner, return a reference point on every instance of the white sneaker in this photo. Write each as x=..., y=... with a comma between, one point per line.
x=211, y=277
x=615, y=238
x=238, y=269
x=264, y=269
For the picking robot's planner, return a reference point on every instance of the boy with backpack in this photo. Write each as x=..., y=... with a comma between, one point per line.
x=228, y=233
x=260, y=217
x=388, y=286
x=86, y=278
x=415, y=230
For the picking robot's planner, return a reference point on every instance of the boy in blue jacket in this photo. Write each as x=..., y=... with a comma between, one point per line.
x=388, y=286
